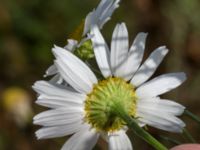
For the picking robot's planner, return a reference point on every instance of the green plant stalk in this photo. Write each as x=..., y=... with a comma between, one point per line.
x=171, y=140
x=133, y=125
x=188, y=136
x=193, y=116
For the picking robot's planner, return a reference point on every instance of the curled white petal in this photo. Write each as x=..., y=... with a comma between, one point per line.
x=52, y=70
x=101, y=15
x=74, y=71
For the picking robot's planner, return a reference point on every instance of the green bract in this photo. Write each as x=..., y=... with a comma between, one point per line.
x=85, y=51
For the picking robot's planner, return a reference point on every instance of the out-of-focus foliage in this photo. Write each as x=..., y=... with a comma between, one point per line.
x=28, y=30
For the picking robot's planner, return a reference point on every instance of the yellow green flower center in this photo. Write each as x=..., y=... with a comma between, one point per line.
x=100, y=110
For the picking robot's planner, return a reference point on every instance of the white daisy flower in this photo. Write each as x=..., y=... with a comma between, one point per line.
x=124, y=62
x=84, y=110
x=99, y=17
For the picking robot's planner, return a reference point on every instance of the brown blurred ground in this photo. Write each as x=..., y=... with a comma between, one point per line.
x=28, y=30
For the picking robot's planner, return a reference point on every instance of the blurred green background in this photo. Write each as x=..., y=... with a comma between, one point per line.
x=28, y=30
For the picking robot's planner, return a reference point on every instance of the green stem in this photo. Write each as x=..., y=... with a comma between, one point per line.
x=171, y=140
x=188, y=136
x=193, y=116
x=133, y=125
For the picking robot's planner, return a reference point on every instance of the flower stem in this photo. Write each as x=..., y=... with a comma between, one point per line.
x=133, y=125
x=187, y=135
x=193, y=116
x=169, y=139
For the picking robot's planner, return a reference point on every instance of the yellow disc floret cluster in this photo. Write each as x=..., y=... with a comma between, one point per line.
x=100, y=112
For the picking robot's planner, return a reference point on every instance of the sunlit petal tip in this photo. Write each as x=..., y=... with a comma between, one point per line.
x=52, y=70
x=36, y=84
x=123, y=25
x=56, y=47
x=141, y=37
x=57, y=50
x=143, y=34
x=38, y=135
x=179, y=128
x=182, y=76
x=164, y=50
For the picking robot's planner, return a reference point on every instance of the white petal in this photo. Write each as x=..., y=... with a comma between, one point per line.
x=160, y=85
x=85, y=139
x=58, y=131
x=119, y=141
x=135, y=56
x=60, y=116
x=60, y=101
x=56, y=79
x=54, y=97
x=101, y=15
x=51, y=71
x=161, y=105
x=149, y=66
x=119, y=49
x=74, y=71
x=71, y=45
x=108, y=11
x=46, y=88
x=101, y=52
x=160, y=120
x=65, y=86
x=88, y=23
